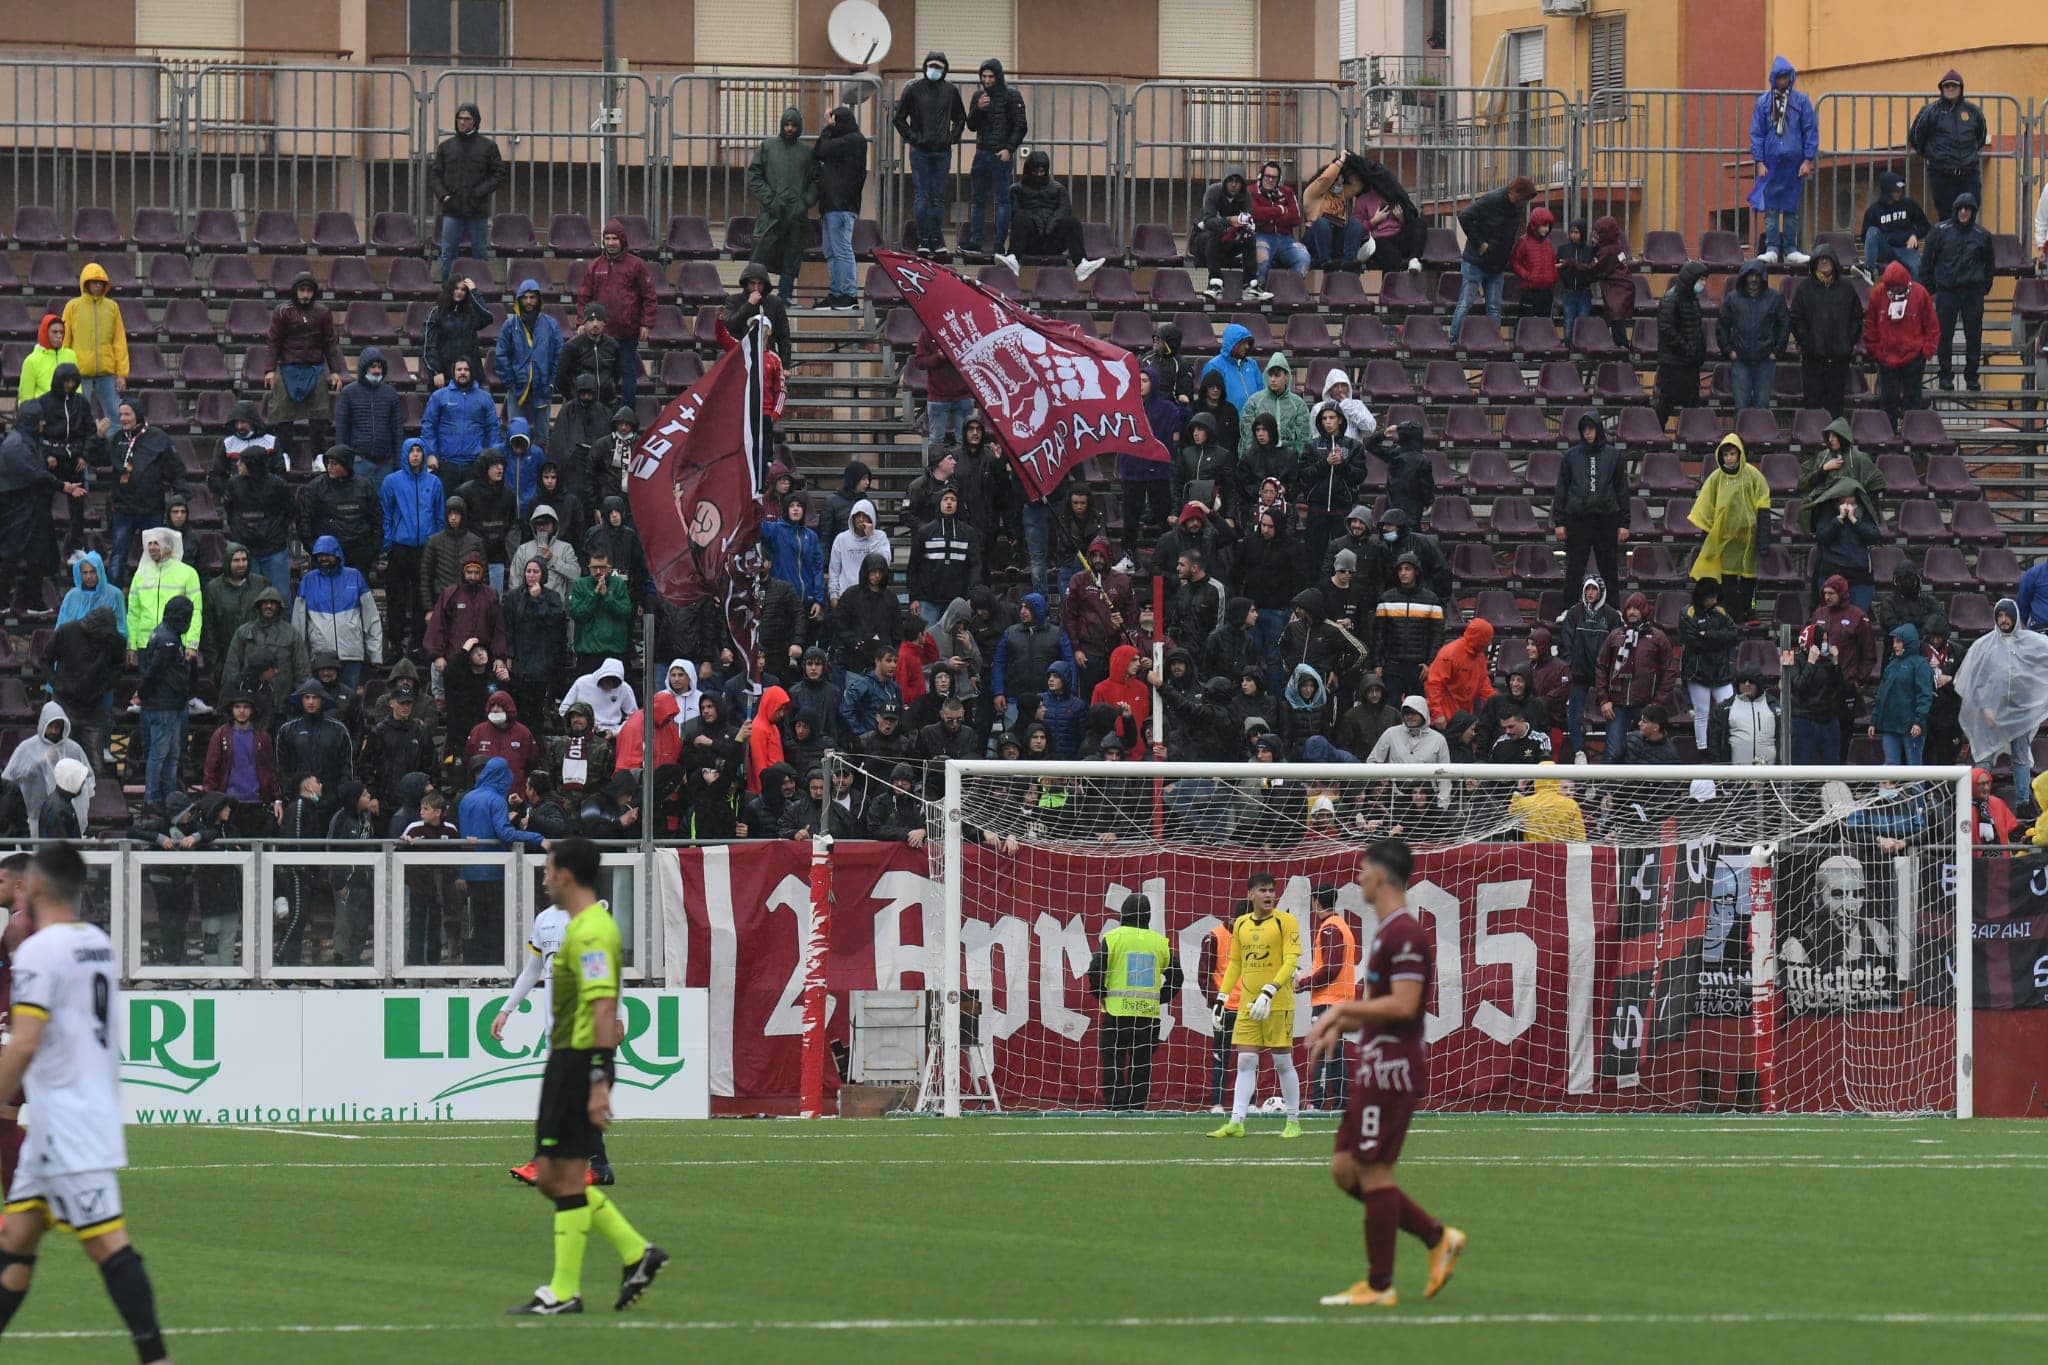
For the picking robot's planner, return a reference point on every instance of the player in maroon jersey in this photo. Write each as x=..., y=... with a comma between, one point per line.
x=1391, y=1075
x=16, y=927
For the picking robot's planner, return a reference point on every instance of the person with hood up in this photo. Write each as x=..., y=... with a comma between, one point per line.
x=1307, y=712
x=1547, y=813
x=1584, y=629
x=1492, y=224
x=623, y=285
x=1743, y=728
x=85, y=661
x=1027, y=650
x=460, y=423
x=869, y=615
x=90, y=588
x=453, y=331
x=266, y=654
x=146, y=476
x=536, y=629
x=369, y=418
x=795, y=556
x=160, y=579
x=413, y=507
x=854, y=482
x=1905, y=692
x=1396, y=538
x=96, y=332
x=1274, y=398
x=1499, y=738
x=1359, y=423
x=841, y=156
x=1909, y=603
x=1359, y=539
x=560, y=567
x=1706, y=663
x=469, y=612
x=1681, y=340
x=945, y=559
x=32, y=767
x=852, y=548
x=59, y=817
x=345, y=505
x=446, y=550
x=1099, y=611
x=608, y=695
x=463, y=176
x=1755, y=325
x=997, y=118
x=614, y=538
x=1895, y=227
x=39, y=366
x=1636, y=670
x=305, y=344
x=1413, y=741
x=1329, y=473
x=1127, y=686
x=1734, y=510
x=1535, y=263
x=1958, y=265
x=1589, y=506
x=783, y=181
x=228, y=600
x=1550, y=678
x=1613, y=278
x=1458, y=678
x=1827, y=322
x=1372, y=715
x=1575, y=276
x=1145, y=486
x=1784, y=145
x=1406, y=632
x=164, y=695
x=1901, y=332
x=1043, y=221
x=1225, y=235
x=336, y=612
x=501, y=734
x=1992, y=821
x=492, y=508
x=529, y=350
x=485, y=815
x=257, y=509
x=929, y=120
x=1205, y=469
x=1845, y=534
x=587, y=382
x=1276, y=217
x=61, y=426
x=571, y=519
x=1811, y=678
x=2003, y=689
x=1950, y=134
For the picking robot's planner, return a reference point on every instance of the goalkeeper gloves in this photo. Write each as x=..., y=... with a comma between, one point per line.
x=1222, y=1008
x=1263, y=1006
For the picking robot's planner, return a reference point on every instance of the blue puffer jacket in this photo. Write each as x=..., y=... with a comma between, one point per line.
x=460, y=424
x=796, y=557
x=528, y=353
x=414, y=504
x=484, y=815
x=1241, y=378
x=1066, y=715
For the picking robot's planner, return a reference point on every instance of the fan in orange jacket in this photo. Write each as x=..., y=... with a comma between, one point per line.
x=668, y=736
x=1458, y=679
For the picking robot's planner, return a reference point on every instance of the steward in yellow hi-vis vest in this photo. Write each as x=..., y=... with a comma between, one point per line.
x=1132, y=973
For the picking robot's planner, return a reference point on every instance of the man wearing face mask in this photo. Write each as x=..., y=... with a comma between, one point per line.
x=369, y=418
x=929, y=119
x=1681, y=341
x=1901, y=333
x=621, y=282
x=1957, y=266
x=783, y=179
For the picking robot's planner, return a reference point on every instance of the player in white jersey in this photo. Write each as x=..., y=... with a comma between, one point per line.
x=539, y=966
x=66, y=1052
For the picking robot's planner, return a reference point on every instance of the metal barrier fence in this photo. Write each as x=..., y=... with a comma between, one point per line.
x=184, y=136
x=372, y=915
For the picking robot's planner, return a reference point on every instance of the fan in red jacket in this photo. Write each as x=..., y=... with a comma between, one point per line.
x=668, y=736
x=1901, y=335
x=621, y=282
x=1534, y=262
x=508, y=739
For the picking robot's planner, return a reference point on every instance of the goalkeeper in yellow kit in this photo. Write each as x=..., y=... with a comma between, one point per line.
x=1265, y=945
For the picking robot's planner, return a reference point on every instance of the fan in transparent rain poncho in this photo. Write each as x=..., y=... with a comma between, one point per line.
x=2003, y=687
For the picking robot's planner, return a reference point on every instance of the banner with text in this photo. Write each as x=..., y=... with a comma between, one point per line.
x=350, y=1056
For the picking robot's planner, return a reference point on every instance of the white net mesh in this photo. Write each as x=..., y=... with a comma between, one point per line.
x=1595, y=937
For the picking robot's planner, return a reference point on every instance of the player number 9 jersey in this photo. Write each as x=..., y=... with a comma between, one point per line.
x=66, y=975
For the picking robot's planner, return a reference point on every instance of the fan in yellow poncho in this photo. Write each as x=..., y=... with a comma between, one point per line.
x=1548, y=815
x=1734, y=509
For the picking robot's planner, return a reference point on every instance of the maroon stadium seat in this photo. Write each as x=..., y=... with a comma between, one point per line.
x=1948, y=477
x=1479, y=338
x=186, y=319
x=1678, y=520
x=1386, y=381
x=689, y=237
x=1401, y=292
x=697, y=282
x=156, y=229
x=1536, y=563
x=248, y=320
x=739, y=236
x=1536, y=339
x=1056, y=287
x=201, y=363
x=1542, y=470
x=1721, y=251
x=1474, y=565
x=1900, y=478
x=1525, y=426
x=1969, y=613
x=1112, y=289
x=1451, y=515
x=639, y=234
x=1998, y=568
x=170, y=272
x=1699, y=429
x=335, y=233
x=1923, y=432
x=680, y=368
x=1592, y=340
x=1945, y=568
x=1759, y=431
x=1365, y=336
x=1872, y=430
x=1444, y=381
x=97, y=229
x=1664, y=251
x=1515, y=517
x=367, y=324
x=1153, y=244
x=1171, y=288
x=1467, y=428
x=412, y=278
x=1344, y=292
x=1920, y=521
x=1440, y=250
x=351, y=278
x=1132, y=331
x=1498, y=608
x=394, y=234
x=1308, y=336
x=146, y=364
x=1974, y=523
x=36, y=229
x=217, y=230
x=570, y=232
x=277, y=231
x=1422, y=337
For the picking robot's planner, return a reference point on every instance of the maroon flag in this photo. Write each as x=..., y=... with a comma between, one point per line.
x=1055, y=396
x=695, y=493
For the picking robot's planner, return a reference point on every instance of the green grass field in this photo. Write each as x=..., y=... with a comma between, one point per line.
x=1064, y=1239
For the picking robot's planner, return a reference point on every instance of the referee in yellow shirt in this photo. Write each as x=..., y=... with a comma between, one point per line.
x=1265, y=945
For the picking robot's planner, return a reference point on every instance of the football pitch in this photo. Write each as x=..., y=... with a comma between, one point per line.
x=1070, y=1239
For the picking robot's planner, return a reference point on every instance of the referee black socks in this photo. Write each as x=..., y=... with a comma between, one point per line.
x=11, y=1299
x=128, y=1286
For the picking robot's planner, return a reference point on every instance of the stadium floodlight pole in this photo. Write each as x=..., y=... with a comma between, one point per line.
x=1965, y=953
x=949, y=934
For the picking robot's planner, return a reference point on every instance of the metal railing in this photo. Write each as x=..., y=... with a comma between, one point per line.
x=302, y=138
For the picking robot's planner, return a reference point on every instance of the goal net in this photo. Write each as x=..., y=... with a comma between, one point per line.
x=1607, y=939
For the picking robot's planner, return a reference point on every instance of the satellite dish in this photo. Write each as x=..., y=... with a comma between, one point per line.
x=858, y=32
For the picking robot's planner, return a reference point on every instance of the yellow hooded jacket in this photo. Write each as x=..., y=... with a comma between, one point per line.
x=2040, y=835
x=1547, y=815
x=93, y=328
x=1727, y=511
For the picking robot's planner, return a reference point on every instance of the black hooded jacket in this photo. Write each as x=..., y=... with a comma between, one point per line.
x=62, y=418
x=258, y=504
x=1681, y=335
x=1592, y=480
x=842, y=157
x=1221, y=205
x=996, y=116
x=466, y=170
x=146, y=471
x=929, y=114
x=347, y=509
x=865, y=617
x=493, y=508
x=1037, y=201
x=1958, y=256
x=1827, y=319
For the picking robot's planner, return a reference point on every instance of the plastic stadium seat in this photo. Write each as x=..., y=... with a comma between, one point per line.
x=1475, y=565
x=1677, y=522
x=1479, y=338
x=186, y=319
x=689, y=237
x=669, y=328
x=1306, y=335
x=1615, y=383
x=412, y=278
x=201, y=363
x=1969, y=613
x=35, y=228
x=248, y=321
x=146, y=364
x=1920, y=521
x=1809, y=428
x=1466, y=428
x=394, y=234
x=901, y=329
x=161, y=409
x=367, y=324
x=2030, y=298
x=739, y=236
x=1515, y=517
x=1998, y=568
x=1444, y=381
x=1079, y=319
x=2007, y=256
x=156, y=229
x=1344, y=292
x=1923, y=432
x=1945, y=569
x=335, y=233
x=1197, y=333
x=1401, y=292
x=570, y=232
x=284, y=270
x=1699, y=429
x=680, y=368
x=1171, y=288
x=1541, y=471
x=1536, y=340
x=877, y=288
x=1722, y=252
x=217, y=230
x=1558, y=381
x=1422, y=337
x=277, y=231
x=1536, y=563
x=1498, y=608
x=1662, y=473
x=1525, y=426
x=1451, y=515
x=51, y=272
x=96, y=229
x=1651, y=564
x=1759, y=430
x=1153, y=244
x=1440, y=249
x=1900, y=478
x=1131, y=330
x=1637, y=428
x=639, y=234
x=1664, y=252
x=1974, y=524
x=1777, y=567
x=1112, y=288
x=1948, y=477
x=1593, y=340
x=170, y=272
x=1501, y=382
x=1289, y=292
x=1386, y=381
x=1055, y=287
x=1366, y=336
x=1885, y=561
x=1872, y=430
x=1263, y=342
x=350, y=278
x=697, y=282
x=10, y=283
x=1099, y=243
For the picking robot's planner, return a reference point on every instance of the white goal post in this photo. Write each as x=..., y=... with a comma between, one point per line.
x=1610, y=939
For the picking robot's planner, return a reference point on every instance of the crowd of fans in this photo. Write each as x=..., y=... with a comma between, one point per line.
x=438, y=637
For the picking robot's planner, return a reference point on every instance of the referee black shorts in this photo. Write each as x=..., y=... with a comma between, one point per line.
x=564, y=1128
